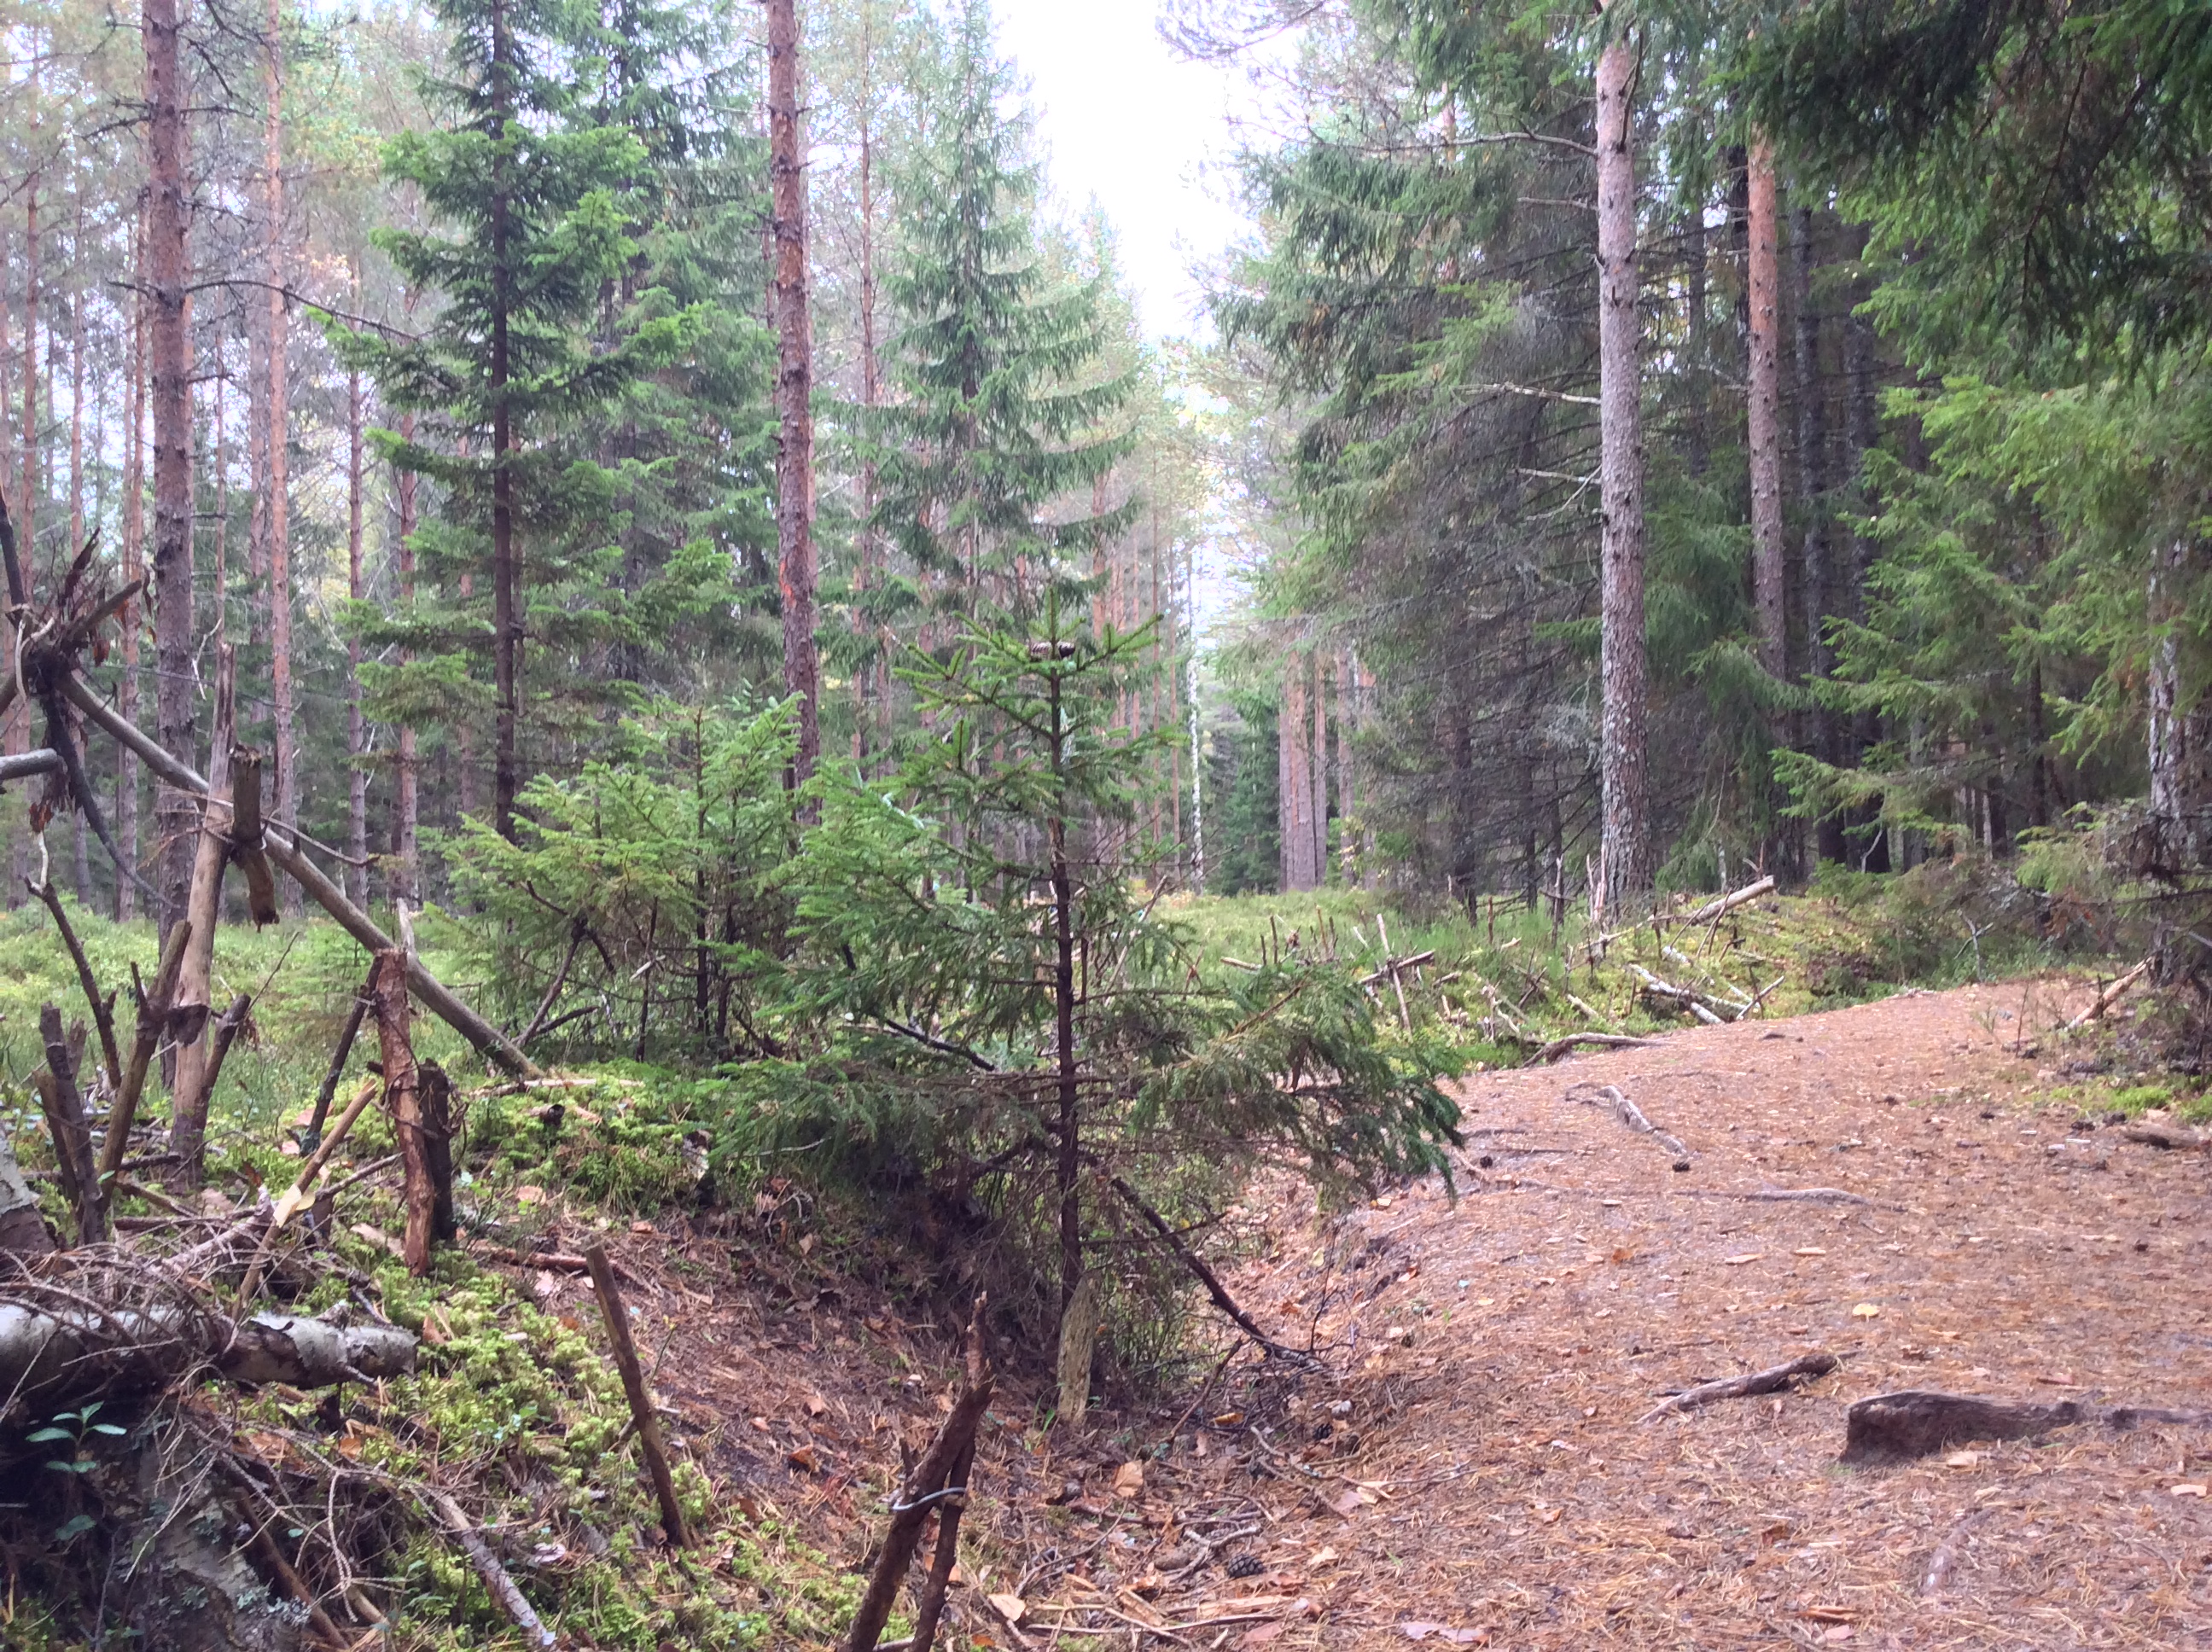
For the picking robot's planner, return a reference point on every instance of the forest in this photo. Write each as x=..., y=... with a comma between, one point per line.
x=632, y=671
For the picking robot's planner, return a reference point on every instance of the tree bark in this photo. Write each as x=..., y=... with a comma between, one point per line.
x=1317, y=762
x=188, y=1019
x=356, y=725
x=794, y=384
x=407, y=879
x=134, y=568
x=1813, y=482
x=1765, y=436
x=1623, y=683
x=170, y=372
x=507, y=619
x=2180, y=730
x=403, y=1099
x=280, y=501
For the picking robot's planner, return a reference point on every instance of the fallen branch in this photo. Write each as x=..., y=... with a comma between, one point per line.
x=1196, y=1264
x=1680, y=997
x=2106, y=999
x=502, y=1588
x=1716, y=909
x=103, y=1009
x=1632, y=1115
x=2168, y=1136
x=1786, y=1195
x=642, y=1414
x=486, y=1039
x=29, y=765
x=1559, y=1046
x=71, y=1129
x=1941, y=1563
x=1772, y=1380
x=153, y=1021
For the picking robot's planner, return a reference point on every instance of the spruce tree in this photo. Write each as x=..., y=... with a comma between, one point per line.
x=1004, y=397
x=532, y=201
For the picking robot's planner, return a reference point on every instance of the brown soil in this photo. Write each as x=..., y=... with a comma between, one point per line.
x=1465, y=1464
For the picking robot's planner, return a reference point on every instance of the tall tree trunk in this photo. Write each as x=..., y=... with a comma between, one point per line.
x=134, y=568
x=280, y=501
x=1626, y=846
x=356, y=726
x=406, y=806
x=1768, y=574
x=15, y=721
x=873, y=674
x=2180, y=730
x=1068, y=1169
x=1318, y=763
x=1699, y=435
x=170, y=372
x=794, y=384
x=80, y=833
x=1813, y=478
x=506, y=620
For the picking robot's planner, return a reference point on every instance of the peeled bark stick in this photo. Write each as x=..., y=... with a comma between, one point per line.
x=928, y=1483
x=2109, y=996
x=642, y=1410
x=494, y=1577
x=1772, y=1380
x=1715, y=910
x=103, y=1010
x=354, y=1016
x=493, y=1044
x=403, y=1099
x=188, y=1018
x=153, y=1020
x=72, y=1131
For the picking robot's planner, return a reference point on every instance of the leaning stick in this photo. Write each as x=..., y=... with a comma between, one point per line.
x=153, y=1021
x=640, y=1400
x=494, y=1045
x=336, y=1070
x=1772, y=1380
x=2109, y=996
x=103, y=1010
x=494, y=1576
x=298, y=1193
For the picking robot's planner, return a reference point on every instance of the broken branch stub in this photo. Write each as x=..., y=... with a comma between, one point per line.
x=403, y=1100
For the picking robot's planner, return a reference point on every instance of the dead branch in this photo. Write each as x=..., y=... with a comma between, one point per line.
x=1772, y=1380
x=2106, y=999
x=2168, y=1136
x=248, y=851
x=70, y=1128
x=641, y=1411
x=153, y=1019
x=1559, y=1046
x=403, y=1100
x=1682, y=998
x=1630, y=1115
x=510, y=1598
x=1713, y=910
x=1196, y=1265
x=1941, y=1563
x=1785, y=1195
x=103, y=1009
x=26, y=765
x=195, y=981
x=356, y=1014
x=928, y=1483
x=486, y=1039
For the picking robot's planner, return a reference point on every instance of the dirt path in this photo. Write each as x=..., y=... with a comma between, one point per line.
x=1518, y=1335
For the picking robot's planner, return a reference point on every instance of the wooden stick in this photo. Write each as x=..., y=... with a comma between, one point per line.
x=927, y=1484
x=641, y=1409
x=2109, y=996
x=1630, y=1115
x=188, y=1018
x=494, y=1045
x=931, y=1606
x=71, y=1131
x=403, y=1099
x=153, y=1021
x=26, y=765
x=1560, y=1047
x=1725, y=904
x=1772, y=1380
x=1197, y=1267
x=103, y=1010
x=302, y=1189
x=248, y=851
x=354, y=1016
x=297, y=1587
x=510, y=1599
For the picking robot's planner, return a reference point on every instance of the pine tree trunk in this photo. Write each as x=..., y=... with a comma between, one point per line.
x=170, y=372
x=1067, y=1171
x=80, y=833
x=506, y=616
x=357, y=727
x=1626, y=845
x=280, y=503
x=134, y=560
x=1812, y=475
x=1317, y=764
x=794, y=384
x=1767, y=571
x=406, y=779
x=15, y=722
x=873, y=712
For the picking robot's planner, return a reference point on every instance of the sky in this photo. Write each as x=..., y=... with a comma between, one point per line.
x=1123, y=119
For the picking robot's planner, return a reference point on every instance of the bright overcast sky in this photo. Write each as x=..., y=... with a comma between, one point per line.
x=1123, y=119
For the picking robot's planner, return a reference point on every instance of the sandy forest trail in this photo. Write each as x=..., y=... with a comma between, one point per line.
x=1504, y=1346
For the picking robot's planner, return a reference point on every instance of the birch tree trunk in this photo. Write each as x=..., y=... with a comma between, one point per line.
x=1626, y=849
x=794, y=384
x=170, y=372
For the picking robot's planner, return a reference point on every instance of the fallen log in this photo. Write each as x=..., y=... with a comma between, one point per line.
x=1920, y=1422
x=2109, y=996
x=1772, y=1380
x=50, y=1354
x=2171, y=1136
x=1716, y=909
x=486, y=1039
x=1559, y=1046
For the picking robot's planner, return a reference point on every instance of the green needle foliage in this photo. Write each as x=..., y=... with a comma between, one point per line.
x=983, y=1003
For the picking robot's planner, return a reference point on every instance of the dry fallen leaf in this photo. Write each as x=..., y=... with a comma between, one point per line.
x=1228, y=1419
x=1321, y=1556
x=1961, y=1460
x=816, y=1404
x=804, y=1458
x=1866, y=1310
x=1129, y=1480
x=1624, y=1255
x=1260, y=1634
x=529, y=1194
x=1012, y=1607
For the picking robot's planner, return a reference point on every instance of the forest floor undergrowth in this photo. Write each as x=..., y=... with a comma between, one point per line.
x=1473, y=1469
